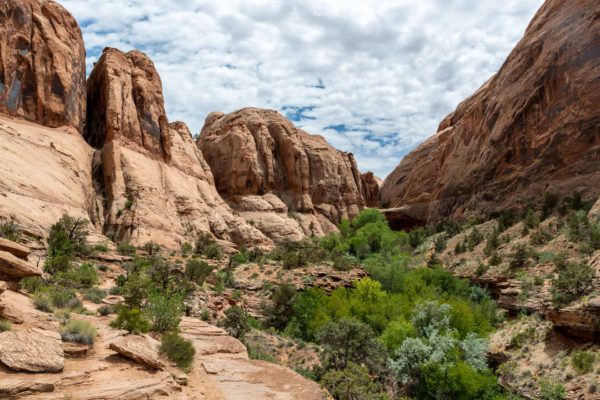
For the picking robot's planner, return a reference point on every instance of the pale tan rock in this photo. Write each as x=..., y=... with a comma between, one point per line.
x=16, y=387
x=15, y=249
x=32, y=350
x=141, y=349
x=255, y=152
x=3, y=287
x=531, y=128
x=12, y=267
x=45, y=173
x=42, y=77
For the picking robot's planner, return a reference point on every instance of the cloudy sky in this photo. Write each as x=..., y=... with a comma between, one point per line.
x=374, y=77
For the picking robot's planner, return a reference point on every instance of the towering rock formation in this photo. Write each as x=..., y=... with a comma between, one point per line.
x=156, y=183
x=370, y=185
x=265, y=167
x=533, y=128
x=42, y=63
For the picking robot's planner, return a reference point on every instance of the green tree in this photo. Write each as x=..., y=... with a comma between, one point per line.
x=236, y=322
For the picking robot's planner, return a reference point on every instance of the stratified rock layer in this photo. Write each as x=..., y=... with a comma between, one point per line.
x=256, y=152
x=156, y=183
x=32, y=350
x=370, y=185
x=532, y=128
x=42, y=63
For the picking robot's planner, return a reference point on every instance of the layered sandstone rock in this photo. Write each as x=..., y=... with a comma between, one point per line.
x=256, y=152
x=42, y=63
x=370, y=185
x=156, y=183
x=533, y=128
x=45, y=173
x=142, y=349
x=32, y=350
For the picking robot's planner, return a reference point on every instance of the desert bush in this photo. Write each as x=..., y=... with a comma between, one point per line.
x=197, y=271
x=164, y=310
x=178, y=350
x=78, y=331
x=280, y=311
x=151, y=248
x=83, y=276
x=474, y=238
x=549, y=204
x=32, y=284
x=126, y=249
x=136, y=289
x=345, y=263
x=9, y=230
x=105, y=310
x=186, y=249
x=68, y=237
x=132, y=320
x=541, y=236
x=550, y=390
x=495, y=259
x=520, y=257
x=42, y=302
x=95, y=295
x=5, y=326
x=583, y=361
x=573, y=281
x=352, y=383
x=236, y=322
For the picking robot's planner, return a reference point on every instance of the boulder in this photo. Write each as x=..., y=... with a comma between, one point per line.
x=258, y=152
x=13, y=248
x=15, y=387
x=42, y=63
x=12, y=267
x=32, y=350
x=141, y=349
x=532, y=128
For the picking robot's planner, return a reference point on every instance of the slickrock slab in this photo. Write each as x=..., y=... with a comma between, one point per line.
x=13, y=267
x=141, y=349
x=12, y=387
x=209, y=339
x=32, y=350
x=13, y=248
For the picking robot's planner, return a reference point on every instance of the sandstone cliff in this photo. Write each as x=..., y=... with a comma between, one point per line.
x=156, y=183
x=265, y=167
x=42, y=63
x=533, y=128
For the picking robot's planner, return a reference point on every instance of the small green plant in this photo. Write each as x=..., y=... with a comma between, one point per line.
x=132, y=321
x=9, y=230
x=178, y=350
x=101, y=247
x=236, y=322
x=520, y=257
x=495, y=259
x=164, y=310
x=105, y=310
x=151, y=248
x=42, y=302
x=186, y=249
x=95, y=295
x=550, y=390
x=583, y=361
x=213, y=251
x=62, y=316
x=5, y=326
x=197, y=271
x=126, y=249
x=78, y=331
x=32, y=284
x=573, y=281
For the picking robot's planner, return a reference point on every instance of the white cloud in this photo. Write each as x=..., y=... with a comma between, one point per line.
x=388, y=70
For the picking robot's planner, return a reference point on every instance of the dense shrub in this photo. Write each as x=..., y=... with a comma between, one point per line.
x=352, y=383
x=178, y=350
x=9, y=230
x=125, y=248
x=583, y=361
x=151, y=248
x=78, y=331
x=573, y=281
x=197, y=271
x=132, y=320
x=5, y=326
x=95, y=295
x=105, y=310
x=32, y=284
x=164, y=310
x=520, y=257
x=236, y=322
x=279, y=312
x=68, y=237
x=136, y=289
x=550, y=390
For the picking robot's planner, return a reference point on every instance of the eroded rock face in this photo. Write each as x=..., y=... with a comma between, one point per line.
x=125, y=102
x=257, y=152
x=12, y=267
x=157, y=185
x=42, y=63
x=533, y=127
x=370, y=185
